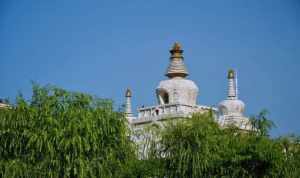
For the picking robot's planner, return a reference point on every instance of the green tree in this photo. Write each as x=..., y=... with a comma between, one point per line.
x=68, y=134
x=63, y=134
x=198, y=147
x=291, y=150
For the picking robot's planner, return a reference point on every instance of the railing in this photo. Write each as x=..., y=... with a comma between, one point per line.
x=160, y=112
x=153, y=111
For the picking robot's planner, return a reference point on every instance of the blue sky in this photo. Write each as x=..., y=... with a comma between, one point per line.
x=103, y=47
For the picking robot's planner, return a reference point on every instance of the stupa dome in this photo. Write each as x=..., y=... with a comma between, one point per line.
x=231, y=107
x=177, y=90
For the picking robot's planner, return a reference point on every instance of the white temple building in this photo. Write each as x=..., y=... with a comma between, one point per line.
x=177, y=98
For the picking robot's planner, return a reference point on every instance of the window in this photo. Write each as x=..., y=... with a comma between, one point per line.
x=163, y=97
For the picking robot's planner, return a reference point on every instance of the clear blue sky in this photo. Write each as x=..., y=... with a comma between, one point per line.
x=102, y=47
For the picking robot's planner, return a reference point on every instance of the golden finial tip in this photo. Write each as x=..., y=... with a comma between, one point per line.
x=176, y=46
x=176, y=49
x=231, y=74
x=128, y=93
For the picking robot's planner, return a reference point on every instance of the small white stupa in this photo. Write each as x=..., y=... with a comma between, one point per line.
x=231, y=110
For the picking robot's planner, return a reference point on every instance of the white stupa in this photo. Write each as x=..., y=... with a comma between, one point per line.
x=231, y=110
x=177, y=98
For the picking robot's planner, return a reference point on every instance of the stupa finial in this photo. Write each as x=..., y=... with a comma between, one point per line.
x=128, y=111
x=176, y=67
x=232, y=90
x=231, y=74
x=176, y=46
x=128, y=93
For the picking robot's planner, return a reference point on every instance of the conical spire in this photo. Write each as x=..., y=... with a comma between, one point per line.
x=176, y=67
x=128, y=111
x=232, y=90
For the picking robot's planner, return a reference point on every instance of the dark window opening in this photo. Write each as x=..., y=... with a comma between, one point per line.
x=165, y=97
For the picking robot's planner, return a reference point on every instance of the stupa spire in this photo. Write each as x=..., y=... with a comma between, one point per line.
x=176, y=67
x=232, y=90
x=128, y=110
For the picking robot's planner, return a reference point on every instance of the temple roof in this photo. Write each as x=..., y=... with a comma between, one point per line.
x=176, y=67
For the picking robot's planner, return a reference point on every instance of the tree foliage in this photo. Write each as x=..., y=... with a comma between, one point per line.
x=198, y=147
x=63, y=134
x=58, y=133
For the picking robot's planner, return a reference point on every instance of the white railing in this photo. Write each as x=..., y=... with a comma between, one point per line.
x=160, y=112
x=148, y=114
